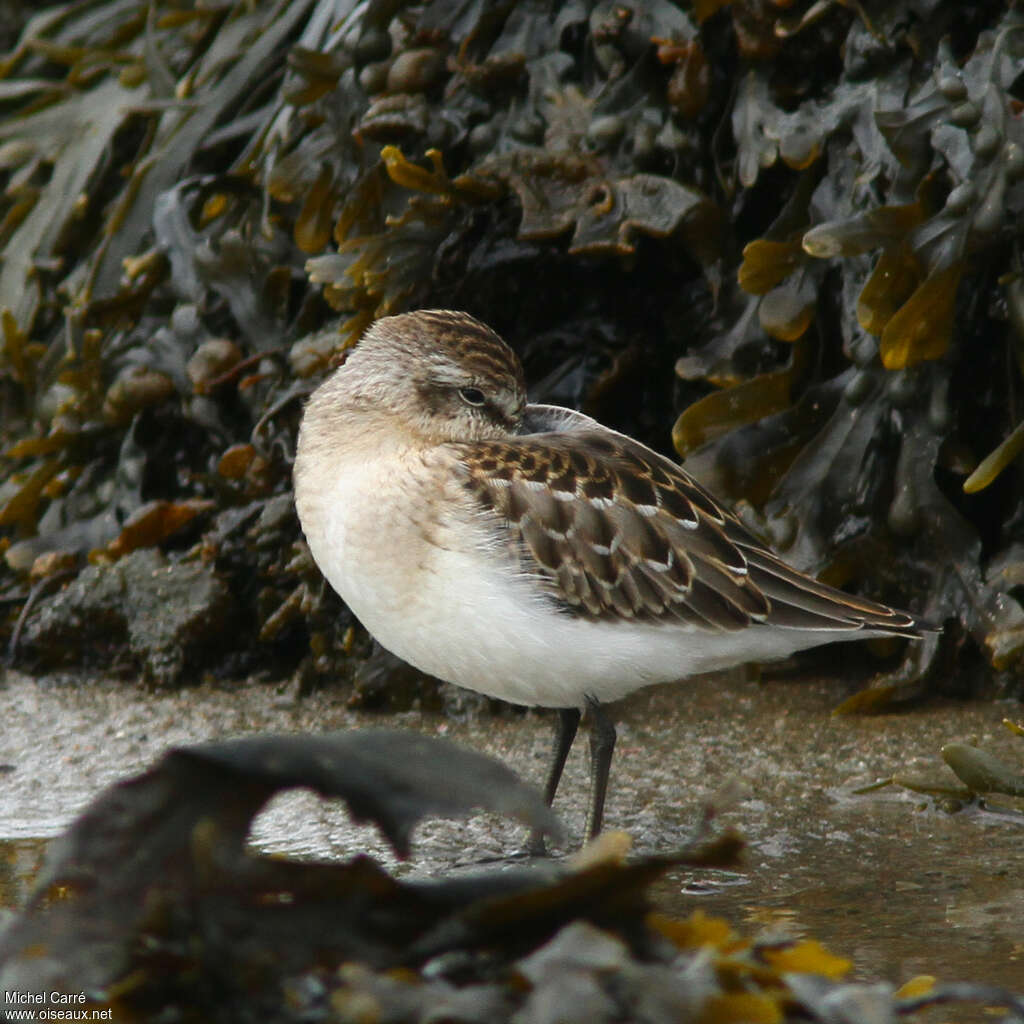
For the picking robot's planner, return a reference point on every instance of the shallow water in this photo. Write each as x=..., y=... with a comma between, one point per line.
x=889, y=878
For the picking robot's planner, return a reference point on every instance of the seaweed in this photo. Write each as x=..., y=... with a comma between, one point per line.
x=192, y=924
x=811, y=211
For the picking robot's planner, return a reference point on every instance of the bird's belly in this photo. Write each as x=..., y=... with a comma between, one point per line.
x=455, y=616
x=444, y=598
x=447, y=601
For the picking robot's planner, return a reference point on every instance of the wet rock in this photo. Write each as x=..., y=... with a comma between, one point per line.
x=76, y=538
x=165, y=612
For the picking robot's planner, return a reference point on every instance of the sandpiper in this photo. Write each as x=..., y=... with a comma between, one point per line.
x=528, y=552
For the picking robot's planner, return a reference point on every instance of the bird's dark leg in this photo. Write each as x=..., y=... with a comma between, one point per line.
x=565, y=732
x=602, y=745
x=566, y=724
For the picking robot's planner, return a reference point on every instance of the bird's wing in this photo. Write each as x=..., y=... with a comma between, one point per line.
x=613, y=530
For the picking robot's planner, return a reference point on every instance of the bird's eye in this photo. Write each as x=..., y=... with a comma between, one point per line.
x=472, y=396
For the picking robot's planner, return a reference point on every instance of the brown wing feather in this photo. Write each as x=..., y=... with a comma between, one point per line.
x=611, y=532
x=616, y=531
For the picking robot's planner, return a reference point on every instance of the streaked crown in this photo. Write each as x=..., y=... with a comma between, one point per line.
x=456, y=341
x=443, y=375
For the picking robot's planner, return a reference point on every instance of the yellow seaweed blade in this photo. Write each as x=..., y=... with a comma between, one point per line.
x=868, y=701
x=22, y=508
x=787, y=311
x=696, y=931
x=725, y=410
x=315, y=221
x=921, y=329
x=808, y=957
x=920, y=985
x=412, y=176
x=996, y=461
x=766, y=263
x=892, y=282
x=741, y=1008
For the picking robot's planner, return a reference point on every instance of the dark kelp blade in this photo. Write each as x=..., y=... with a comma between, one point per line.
x=390, y=777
